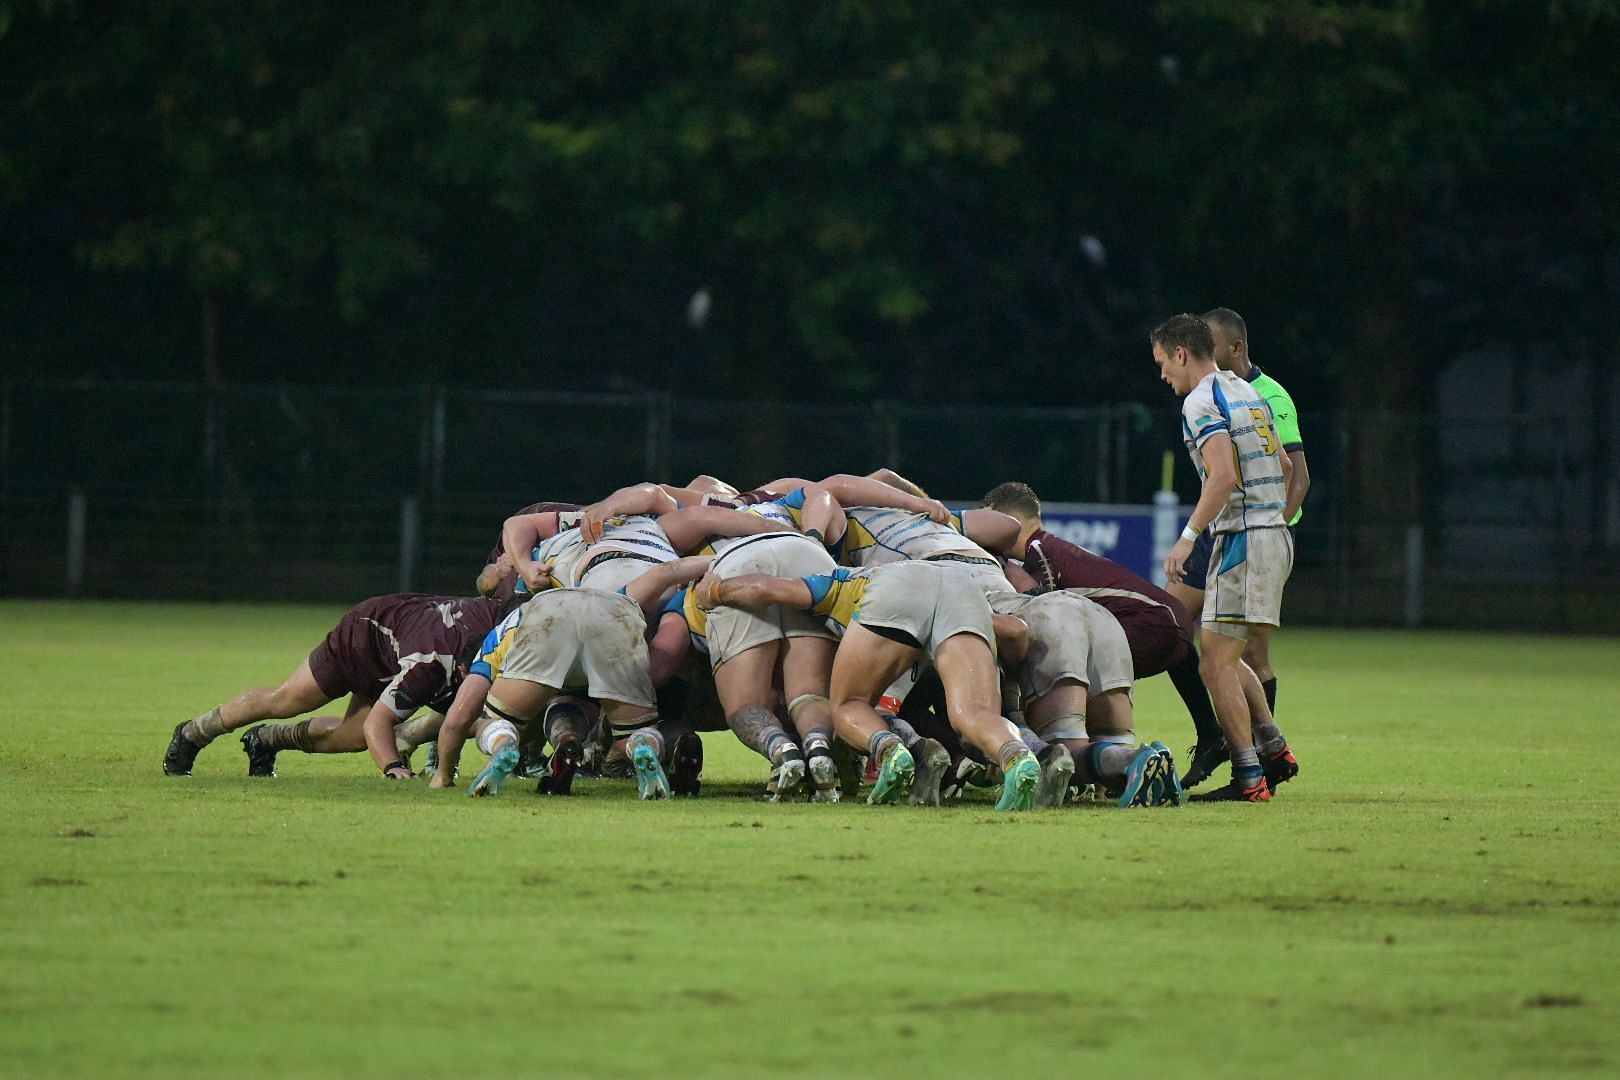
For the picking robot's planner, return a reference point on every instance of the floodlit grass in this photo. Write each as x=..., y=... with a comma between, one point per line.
x=1439, y=893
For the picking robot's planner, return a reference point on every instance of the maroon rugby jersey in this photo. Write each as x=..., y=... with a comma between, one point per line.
x=534, y=508
x=404, y=649
x=1055, y=563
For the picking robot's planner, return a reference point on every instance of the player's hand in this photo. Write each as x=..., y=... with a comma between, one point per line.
x=504, y=564
x=398, y=772
x=706, y=592
x=537, y=576
x=592, y=520
x=937, y=512
x=1176, y=559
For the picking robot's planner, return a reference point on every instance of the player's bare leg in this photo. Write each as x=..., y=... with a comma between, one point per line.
x=972, y=682
x=298, y=693
x=1225, y=674
x=509, y=702
x=806, y=678
x=317, y=735
x=745, y=684
x=865, y=665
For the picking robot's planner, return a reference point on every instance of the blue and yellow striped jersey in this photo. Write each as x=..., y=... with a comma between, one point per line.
x=788, y=510
x=836, y=597
x=877, y=535
x=492, y=653
x=684, y=604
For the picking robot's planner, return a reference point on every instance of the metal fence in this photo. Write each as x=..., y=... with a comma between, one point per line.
x=196, y=492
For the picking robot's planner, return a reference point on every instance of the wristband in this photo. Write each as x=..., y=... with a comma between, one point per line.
x=714, y=593
x=1190, y=534
x=397, y=763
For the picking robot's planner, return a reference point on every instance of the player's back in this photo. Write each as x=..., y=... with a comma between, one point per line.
x=879, y=535
x=1224, y=402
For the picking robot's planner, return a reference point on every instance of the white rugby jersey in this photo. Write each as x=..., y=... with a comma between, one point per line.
x=563, y=552
x=628, y=546
x=1225, y=403
x=879, y=535
x=777, y=510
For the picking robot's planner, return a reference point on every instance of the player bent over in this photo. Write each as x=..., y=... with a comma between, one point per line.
x=391, y=654
x=1075, y=684
x=567, y=638
x=888, y=615
x=1228, y=429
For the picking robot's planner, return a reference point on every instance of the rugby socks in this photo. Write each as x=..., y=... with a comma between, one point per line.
x=882, y=744
x=818, y=741
x=564, y=718
x=1270, y=687
x=908, y=734
x=1188, y=683
x=287, y=737
x=1033, y=742
x=1104, y=761
x=1246, y=770
x=1010, y=752
x=204, y=729
x=649, y=736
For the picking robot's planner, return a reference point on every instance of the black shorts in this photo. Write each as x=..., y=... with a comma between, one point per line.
x=1195, y=571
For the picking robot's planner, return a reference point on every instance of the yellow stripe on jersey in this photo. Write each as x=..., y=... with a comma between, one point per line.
x=836, y=597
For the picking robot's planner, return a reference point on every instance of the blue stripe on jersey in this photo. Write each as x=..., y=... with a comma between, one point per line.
x=793, y=500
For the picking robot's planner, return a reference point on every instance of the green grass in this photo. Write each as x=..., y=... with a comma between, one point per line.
x=1438, y=894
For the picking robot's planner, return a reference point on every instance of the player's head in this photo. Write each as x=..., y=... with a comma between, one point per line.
x=1016, y=499
x=1231, y=338
x=1184, y=349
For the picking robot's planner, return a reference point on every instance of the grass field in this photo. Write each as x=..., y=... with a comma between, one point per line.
x=1439, y=893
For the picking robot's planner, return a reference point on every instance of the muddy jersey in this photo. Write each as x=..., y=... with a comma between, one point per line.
x=402, y=650
x=878, y=535
x=629, y=545
x=564, y=552
x=787, y=510
x=1222, y=402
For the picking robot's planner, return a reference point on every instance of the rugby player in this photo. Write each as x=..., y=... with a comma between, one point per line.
x=888, y=616
x=562, y=638
x=499, y=576
x=1157, y=627
x=1228, y=431
x=391, y=654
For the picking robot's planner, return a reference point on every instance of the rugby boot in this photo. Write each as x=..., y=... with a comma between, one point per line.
x=651, y=783
x=1057, y=771
x=786, y=777
x=895, y=776
x=1142, y=776
x=566, y=758
x=850, y=766
x=1169, y=791
x=1019, y=786
x=495, y=774
x=1235, y=792
x=1203, y=759
x=686, y=765
x=1280, y=767
x=182, y=753
x=933, y=761
x=824, y=776
x=261, y=759
x=965, y=772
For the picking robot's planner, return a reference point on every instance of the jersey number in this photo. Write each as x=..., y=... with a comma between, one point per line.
x=1262, y=428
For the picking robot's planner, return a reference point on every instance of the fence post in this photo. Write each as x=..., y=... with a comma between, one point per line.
x=410, y=539
x=76, y=523
x=1414, y=576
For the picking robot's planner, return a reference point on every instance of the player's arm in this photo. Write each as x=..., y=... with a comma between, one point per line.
x=1219, y=480
x=496, y=574
x=458, y=722
x=1299, y=482
x=991, y=530
x=378, y=727
x=864, y=491
x=690, y=528
x=1020, y=578
x=520, y=535
x=668, y=647
x=648, y=498
x=822, y=515
x=895, y=480
x=752, y=591
x=1012, y=640
x=649, y=588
